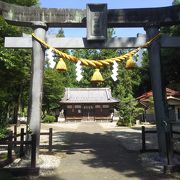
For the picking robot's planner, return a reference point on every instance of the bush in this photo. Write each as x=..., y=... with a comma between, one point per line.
x=120, y=122
x=49, y=119
x=128, y=111
x=3, y=132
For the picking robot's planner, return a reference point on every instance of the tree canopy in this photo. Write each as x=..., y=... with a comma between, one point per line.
x=14, y=70
x=15, y=74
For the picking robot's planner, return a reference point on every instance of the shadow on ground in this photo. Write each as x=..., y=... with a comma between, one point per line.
x=107, y=151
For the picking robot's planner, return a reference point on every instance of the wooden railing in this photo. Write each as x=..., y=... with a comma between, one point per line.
x=11, y=142
x=143, y=137
x=173, y=139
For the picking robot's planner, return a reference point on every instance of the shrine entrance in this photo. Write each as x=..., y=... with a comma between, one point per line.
x=96, y=18
x=88, y=113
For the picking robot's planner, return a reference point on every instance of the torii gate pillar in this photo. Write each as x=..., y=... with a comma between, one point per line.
x=36, y=86
x=162, y=120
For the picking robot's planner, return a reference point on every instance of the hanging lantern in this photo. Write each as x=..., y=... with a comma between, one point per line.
x=97, y=77
x=130, y=63
x=61, y=66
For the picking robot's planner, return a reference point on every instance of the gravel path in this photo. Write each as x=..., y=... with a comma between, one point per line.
x=95, y=151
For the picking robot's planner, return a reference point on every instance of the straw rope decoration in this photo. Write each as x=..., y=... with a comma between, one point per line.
x=96, y=64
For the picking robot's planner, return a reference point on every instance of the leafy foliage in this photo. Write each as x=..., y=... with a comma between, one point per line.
x=49, y=119
x=55, y=83
x=129, y=111
x=128, y=81
x=176, y=2
x=3, y=132
x=144, y=73
x=170, y=58
x=14, y=72
x=22, y=2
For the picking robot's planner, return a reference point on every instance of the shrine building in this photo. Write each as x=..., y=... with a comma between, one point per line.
x=89, y=104
x=173, y=102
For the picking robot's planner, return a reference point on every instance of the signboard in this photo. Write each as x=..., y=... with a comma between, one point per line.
x=96, y=21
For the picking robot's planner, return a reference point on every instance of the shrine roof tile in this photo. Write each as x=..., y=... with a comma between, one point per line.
x=88, y=95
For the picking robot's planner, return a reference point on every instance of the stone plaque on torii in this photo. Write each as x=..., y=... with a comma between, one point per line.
x=94, y=18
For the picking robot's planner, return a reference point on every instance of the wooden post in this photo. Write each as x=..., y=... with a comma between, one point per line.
x=15, y=134
x=143, y=139
x=21, y=154
x=50, y=139
x=158, y=90
x=33, y=150
x=9, y=155
x=168, y=152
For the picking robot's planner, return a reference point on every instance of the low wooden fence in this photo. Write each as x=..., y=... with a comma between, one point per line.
x=143, y=137
x=50, y=141
x=11, y=142
x=170, y=148
x=173, y=139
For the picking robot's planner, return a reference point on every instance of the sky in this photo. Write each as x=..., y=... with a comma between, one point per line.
x=111, y=4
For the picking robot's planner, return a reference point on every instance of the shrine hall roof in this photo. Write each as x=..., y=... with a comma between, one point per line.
x=88, y=95
x=147, y=95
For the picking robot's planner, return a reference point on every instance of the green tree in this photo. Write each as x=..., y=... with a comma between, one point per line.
x=53, y=89
x=124, y=89
x=14, y=71
x=23, y=2
x=170, y=58
x=176, y=2
x=55, y=82
x=144, y=73
x=129, y=110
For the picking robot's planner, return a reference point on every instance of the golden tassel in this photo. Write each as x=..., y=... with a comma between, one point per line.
x=61, y=66
x=97, y=77
x=130, y=63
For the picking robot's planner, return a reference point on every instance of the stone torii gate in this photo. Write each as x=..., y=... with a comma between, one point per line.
x=96, y=18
